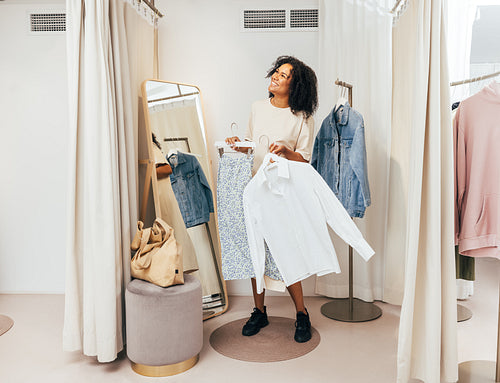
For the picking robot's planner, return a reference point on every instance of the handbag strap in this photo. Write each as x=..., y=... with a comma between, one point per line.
x=144, y=239
x=167, y=229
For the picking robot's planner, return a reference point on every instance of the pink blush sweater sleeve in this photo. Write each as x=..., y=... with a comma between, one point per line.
x=477, y=174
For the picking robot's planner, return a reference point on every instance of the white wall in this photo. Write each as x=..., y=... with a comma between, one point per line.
x=201, y=43
x=33, y=115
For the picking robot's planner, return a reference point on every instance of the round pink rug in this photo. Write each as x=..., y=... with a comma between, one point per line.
x=273, y=343
x=5, y=324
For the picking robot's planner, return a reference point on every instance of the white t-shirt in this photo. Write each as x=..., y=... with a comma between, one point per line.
x=268, y=124
x=288, y=205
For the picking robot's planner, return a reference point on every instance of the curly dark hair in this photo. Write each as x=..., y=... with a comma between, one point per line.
x=303, y=86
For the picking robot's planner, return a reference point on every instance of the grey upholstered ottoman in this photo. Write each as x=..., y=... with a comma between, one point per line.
x=164, y=326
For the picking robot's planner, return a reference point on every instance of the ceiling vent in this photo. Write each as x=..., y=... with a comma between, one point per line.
x=304, y=18
x=41, y=23
x=264, y=19
x=283, y=20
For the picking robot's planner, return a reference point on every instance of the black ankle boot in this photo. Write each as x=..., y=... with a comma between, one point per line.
x=257, y=320
x=302, y=327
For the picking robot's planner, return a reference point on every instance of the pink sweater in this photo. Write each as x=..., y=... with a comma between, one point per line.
x=477, y=173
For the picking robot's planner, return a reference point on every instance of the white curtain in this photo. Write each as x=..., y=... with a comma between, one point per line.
x=423, y=153
x=355, y=47
x=108, y=45
x=461, y=15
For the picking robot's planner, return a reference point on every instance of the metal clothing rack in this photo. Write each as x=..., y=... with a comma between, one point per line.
x=350, y=309
x=480, y=371
x=475, y=79
x=151, y=6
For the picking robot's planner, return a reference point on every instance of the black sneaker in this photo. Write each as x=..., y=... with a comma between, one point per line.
x=257, y=320
x=302, y=328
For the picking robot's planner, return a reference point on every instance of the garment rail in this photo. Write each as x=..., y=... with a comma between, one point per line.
x=350, y=309
x=152, y=7
x=481, y=371
x=475, y=79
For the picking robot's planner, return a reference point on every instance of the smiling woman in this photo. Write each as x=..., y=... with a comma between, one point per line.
x=285, y=118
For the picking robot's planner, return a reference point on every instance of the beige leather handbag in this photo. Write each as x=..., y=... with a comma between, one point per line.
x=158, y=256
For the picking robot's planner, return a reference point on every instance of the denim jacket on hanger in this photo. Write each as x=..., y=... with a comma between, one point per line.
x=191, y=189
x=339, y=155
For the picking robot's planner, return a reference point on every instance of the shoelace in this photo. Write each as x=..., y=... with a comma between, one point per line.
x=255, y=314
x=303, y=322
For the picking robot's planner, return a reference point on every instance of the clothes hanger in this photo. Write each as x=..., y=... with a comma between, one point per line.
x=270, y=159
x=172, y=151
x=342, y=99
x=223, y=147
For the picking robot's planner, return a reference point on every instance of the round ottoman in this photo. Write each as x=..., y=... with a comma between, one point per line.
x=164, y=326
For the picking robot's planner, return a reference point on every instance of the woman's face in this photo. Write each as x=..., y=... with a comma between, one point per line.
x=280, y=80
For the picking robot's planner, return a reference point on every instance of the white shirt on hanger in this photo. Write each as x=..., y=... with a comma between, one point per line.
x=288, y=205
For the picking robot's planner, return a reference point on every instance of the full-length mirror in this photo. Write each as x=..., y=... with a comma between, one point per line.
x=182, y=187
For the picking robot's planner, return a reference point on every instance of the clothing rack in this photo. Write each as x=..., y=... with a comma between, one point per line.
x=350, y=309
x=348, y=87
x=475, y=79
x=152, y=7
x=481, y=371
x=396, y=6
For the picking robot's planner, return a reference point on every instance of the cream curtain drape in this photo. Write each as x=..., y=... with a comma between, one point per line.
x=422, y=181
x=461, y=15
x=355, y=47
x=110, y=50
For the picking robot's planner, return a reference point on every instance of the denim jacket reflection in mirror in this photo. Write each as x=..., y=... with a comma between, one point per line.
x=191, y=189
x=339, y=155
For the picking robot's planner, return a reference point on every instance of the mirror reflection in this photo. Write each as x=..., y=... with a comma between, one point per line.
x=182, y=182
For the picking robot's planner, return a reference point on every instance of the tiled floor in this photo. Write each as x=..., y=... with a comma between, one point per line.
x=348, y=352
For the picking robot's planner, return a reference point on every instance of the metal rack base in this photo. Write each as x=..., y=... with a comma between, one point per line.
x=360, y=311
x=463, y=313
x=477, y=371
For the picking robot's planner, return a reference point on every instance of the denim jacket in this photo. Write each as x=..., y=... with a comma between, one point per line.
x=339, y=155
x=191, y=189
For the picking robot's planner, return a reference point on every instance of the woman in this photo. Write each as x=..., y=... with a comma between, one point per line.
x=283, y=124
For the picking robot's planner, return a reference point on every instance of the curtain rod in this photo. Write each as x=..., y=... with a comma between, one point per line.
x=475, y=79
x=152, y=7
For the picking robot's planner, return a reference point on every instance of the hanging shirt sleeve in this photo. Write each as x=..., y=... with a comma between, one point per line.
x=206, y=187
x=338, y=218
x=358, y=163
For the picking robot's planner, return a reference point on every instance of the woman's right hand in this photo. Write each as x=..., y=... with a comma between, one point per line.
x=232, y=140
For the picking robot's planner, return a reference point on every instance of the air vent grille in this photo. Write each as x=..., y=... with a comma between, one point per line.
x=304, y=18
x=283, y=20
x=264, y=19
x=48, y=22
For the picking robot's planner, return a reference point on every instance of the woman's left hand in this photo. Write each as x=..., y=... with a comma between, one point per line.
x=279, y=150
x=286, y=152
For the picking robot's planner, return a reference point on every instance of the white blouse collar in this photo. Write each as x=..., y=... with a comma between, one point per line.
x=276, y=186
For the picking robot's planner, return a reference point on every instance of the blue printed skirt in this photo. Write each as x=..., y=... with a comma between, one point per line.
x=234, y=173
